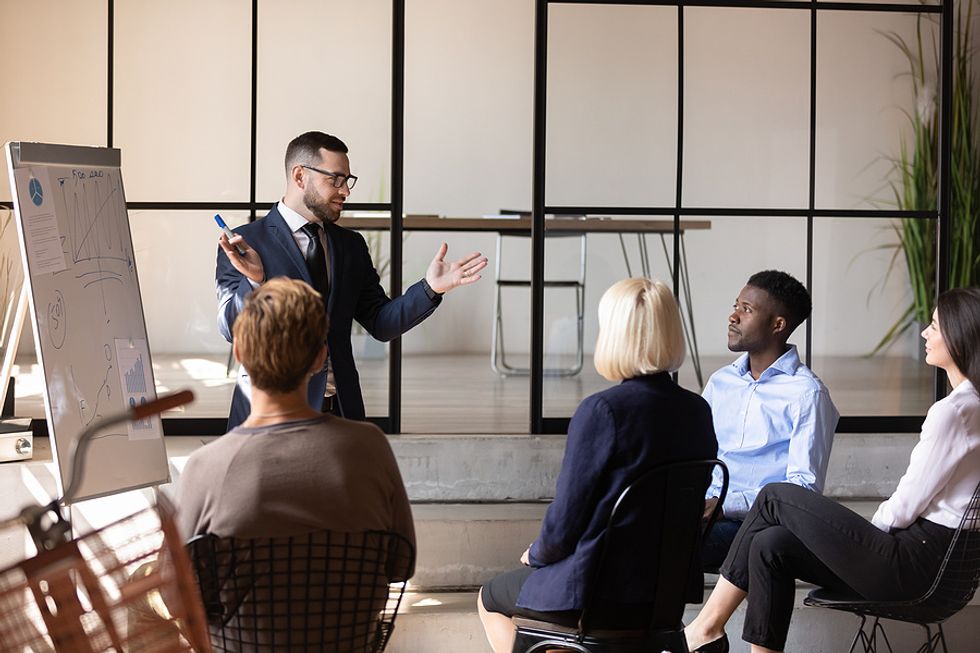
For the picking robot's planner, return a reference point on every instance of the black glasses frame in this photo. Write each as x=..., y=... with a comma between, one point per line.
x=339, y=178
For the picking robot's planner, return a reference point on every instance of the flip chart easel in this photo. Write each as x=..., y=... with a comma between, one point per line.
x=85, y=305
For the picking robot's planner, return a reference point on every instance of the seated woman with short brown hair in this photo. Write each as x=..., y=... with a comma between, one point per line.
x=290, y=469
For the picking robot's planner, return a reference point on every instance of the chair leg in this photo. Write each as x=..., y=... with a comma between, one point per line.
x=934, y=640
x=869, y=639
x=875, y=629
x=927, y=645
x=942, y=638
x=860, y=636
x=580, y=330
x=496, y=335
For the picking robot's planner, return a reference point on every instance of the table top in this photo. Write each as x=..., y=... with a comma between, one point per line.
x=522, y=224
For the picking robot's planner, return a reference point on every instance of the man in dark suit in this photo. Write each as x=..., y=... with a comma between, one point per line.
x=299, y=238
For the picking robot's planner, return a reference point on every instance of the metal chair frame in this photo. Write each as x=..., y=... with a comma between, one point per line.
x=326, y=591
x=954, y=587
x=537, y=636
x=498, y=359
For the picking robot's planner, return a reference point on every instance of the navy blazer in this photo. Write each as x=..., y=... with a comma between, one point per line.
x=614, y=437
x=355, y=294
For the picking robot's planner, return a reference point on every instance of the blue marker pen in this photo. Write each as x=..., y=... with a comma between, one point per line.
x=228, y=232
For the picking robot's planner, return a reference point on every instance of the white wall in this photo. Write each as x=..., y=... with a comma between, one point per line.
x=181, y=117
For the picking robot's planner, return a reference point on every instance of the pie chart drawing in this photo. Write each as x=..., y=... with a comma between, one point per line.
x=37, y=193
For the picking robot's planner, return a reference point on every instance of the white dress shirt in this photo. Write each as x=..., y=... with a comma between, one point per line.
x=296, y=222
x=944, y=468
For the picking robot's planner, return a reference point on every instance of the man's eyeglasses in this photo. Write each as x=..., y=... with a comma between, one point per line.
x=339, y=179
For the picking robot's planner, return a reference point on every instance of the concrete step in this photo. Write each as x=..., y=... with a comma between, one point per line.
x=524, y=468
x=467, y=468
x=444, y=622
x=464, y=545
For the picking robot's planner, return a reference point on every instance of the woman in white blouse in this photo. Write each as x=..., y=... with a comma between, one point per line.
x=791, y=533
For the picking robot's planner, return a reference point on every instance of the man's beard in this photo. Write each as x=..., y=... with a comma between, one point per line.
x=320, y=209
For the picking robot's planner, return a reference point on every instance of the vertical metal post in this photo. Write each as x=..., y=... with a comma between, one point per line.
x=110, y=55
x=253, y=133
x=397, y=201
x=811, y=203
x=679, y=173
x=537, y=215
x=944, y=223
x=254, y=111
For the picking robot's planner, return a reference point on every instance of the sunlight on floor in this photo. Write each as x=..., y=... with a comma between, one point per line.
x=210, y=372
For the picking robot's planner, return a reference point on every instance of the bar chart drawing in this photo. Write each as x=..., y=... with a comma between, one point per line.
x=136, y=377
x=133, y=357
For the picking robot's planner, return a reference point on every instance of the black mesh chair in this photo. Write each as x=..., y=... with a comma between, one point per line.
x=324, y=591
x=952, y=589
x=656, y=521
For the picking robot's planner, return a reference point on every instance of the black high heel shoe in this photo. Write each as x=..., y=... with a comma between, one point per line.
x=719, y=645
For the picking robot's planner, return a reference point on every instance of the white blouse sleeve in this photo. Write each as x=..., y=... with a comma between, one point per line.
x=940, y=448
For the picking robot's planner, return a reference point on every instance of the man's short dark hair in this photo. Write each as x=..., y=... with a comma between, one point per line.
x=305, y=148
x=791, y=295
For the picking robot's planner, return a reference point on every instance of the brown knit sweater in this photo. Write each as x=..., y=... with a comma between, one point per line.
x=294, y=478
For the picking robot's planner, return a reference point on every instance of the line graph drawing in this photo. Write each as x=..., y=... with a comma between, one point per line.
x=92, y=199
x=97, y=241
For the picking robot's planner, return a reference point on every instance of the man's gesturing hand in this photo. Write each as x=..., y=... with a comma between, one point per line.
x=443, y=277
x=249, y=263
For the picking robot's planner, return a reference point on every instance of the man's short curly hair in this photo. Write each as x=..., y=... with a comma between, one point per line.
x=791, y=296
x=279, y=333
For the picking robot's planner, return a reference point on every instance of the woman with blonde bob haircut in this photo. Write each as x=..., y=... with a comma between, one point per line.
x=614, y=437
x=639, y=330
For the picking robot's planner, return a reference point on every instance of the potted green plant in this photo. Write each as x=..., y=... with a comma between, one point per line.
x=916, y=183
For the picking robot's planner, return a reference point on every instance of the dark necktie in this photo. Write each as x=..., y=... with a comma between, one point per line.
x=316, y=260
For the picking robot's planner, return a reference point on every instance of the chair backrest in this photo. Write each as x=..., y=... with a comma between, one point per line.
x=657, y=526
x=320, y=591
x=959, y=572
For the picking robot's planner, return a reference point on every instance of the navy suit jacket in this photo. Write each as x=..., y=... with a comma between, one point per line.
x=614, y=437
x=355, y=294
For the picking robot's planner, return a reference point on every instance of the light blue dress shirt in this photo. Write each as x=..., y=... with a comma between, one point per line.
x=779, y=428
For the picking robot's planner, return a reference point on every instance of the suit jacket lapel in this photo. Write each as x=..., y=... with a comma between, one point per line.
x=336, y=254
x=280, y=233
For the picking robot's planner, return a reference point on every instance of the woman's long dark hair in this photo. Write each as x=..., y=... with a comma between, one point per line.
x=959, y=322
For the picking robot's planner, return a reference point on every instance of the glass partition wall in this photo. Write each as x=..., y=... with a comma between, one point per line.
x=696, y=145
x=788, y=120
